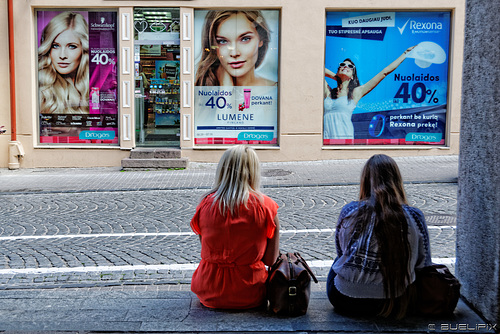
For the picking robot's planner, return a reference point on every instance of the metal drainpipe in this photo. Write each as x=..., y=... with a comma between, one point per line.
x=16, y=150
x=13, y=132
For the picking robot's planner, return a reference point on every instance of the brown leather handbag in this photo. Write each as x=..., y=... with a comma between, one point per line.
x=438, y=290
x=289, y=285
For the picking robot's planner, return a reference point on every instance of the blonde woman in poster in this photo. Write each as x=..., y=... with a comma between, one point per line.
x=340, y=102
x=234, y=44
x=63, y=71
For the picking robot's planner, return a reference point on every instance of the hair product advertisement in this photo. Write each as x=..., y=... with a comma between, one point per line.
x=386, y=78
x=236, y=85
x=77, y=77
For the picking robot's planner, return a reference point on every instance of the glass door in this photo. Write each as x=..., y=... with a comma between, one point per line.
x=157, y=86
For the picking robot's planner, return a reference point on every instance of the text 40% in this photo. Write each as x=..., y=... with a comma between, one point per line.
x=220, y=103
x=418, y=93
x=102, y=59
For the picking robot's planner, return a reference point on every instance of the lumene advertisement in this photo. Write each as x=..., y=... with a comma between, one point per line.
x=236, y=85
x=386, y=78
x=77, y=77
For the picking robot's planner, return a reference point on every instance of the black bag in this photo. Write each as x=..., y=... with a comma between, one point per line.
x=289, y=285
x=438, y=290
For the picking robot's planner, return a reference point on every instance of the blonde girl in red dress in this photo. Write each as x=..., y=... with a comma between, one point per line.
x=239, y=233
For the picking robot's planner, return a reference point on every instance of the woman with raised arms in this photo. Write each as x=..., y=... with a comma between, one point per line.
x=340, y=102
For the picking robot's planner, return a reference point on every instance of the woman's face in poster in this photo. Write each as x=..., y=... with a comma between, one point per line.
x=238, y=45
x=66, y=52
x=346, y=69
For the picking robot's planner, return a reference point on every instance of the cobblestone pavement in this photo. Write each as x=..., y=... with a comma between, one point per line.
x=84, y=250
x=75, y=239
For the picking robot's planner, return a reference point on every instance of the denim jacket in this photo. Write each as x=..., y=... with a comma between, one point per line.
x=358, y=264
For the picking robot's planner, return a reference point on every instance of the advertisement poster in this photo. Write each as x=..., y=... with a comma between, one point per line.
x=77, y=77
x=386, y=78
x=236, y=85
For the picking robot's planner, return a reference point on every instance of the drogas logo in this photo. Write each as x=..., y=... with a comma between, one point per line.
x=97, y=135
x=264, y=136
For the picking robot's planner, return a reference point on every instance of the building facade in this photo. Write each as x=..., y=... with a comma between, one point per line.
x=326, y=80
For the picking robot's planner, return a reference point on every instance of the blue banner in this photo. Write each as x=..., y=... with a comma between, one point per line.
x=386, y=78
x=376, y=34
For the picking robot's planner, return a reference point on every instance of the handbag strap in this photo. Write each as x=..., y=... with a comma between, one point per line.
x=290, y=265
x=275, y=265
x=301, y=259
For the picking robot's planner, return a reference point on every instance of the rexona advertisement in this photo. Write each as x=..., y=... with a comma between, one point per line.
x=77, y=77
x=236, y=86
x=386, y=78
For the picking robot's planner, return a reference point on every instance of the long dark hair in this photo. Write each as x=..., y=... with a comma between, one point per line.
x=383, y=195
x=352, y=84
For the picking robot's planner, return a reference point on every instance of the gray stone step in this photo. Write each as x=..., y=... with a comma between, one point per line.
x=155, y=153
x=155, y=163
x=143, y=158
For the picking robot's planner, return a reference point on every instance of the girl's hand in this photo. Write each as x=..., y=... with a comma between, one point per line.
x=409, y=49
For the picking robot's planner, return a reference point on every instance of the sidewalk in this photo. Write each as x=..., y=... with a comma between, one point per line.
x=174, y=309
x=437, y=169
x=163, y=307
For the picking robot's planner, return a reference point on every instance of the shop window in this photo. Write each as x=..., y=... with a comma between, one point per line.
x=77, y=77
x=386, y=78
x=236, y=80
x=157, y=70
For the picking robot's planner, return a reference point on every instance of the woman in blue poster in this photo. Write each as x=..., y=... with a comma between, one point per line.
x=407, y=100
x=340, y=101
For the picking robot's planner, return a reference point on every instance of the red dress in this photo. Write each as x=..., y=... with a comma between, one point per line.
x=231, y=273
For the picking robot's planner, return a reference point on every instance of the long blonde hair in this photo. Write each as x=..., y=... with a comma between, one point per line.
x=237, y=176
x=207, y=69
x=59, y=94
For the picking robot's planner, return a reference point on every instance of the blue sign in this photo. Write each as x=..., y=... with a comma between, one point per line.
x=97, y=135
x=265, y=136
x=386, y=77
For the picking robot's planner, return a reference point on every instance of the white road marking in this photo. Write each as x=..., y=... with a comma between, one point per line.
x=176, y=266
x=164, y=234
x=172, y=267
x=320, y=264
x=101, y=235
